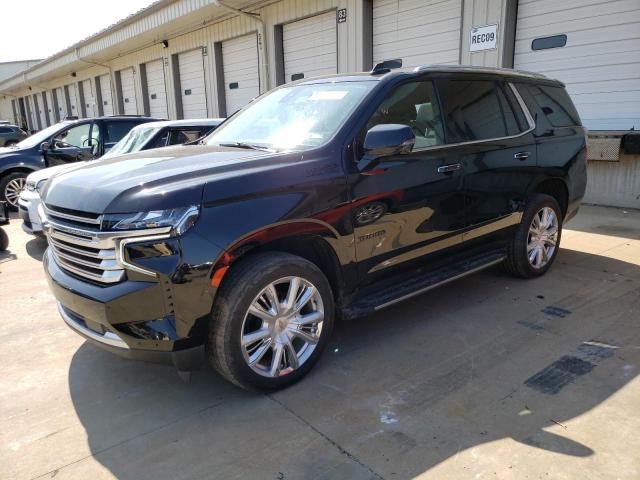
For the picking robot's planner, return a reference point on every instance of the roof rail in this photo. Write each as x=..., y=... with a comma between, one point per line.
x=471, y=68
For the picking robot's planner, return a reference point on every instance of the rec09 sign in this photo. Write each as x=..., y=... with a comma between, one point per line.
x=483, y=38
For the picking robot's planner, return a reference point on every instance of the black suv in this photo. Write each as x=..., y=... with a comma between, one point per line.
x=329, y=197
x=64, y=142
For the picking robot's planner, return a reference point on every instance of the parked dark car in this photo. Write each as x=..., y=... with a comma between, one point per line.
x=64, y=142
x=11, y=134
x=334, y=196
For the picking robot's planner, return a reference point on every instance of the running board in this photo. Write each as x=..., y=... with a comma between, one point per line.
x=421, y=283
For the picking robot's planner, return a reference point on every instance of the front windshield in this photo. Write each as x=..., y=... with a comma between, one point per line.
x=300, y=116
x=132, y=141
x=41, y=136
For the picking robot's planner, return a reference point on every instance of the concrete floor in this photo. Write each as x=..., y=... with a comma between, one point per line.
x=488, y=377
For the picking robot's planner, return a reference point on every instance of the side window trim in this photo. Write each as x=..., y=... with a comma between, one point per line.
x=524, y=108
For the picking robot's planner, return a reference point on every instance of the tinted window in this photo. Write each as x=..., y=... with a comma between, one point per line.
x=117, y=130
x=512, y=123
x=472, y=110
x=179, y=136
x=555, y=104
x=413, y=104
x=543, y=43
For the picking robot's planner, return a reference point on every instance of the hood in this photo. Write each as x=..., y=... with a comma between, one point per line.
x=45, y=173
x=157, y=179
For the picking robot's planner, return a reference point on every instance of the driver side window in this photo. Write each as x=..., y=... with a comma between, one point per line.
x=77, y=136
x=413, y=104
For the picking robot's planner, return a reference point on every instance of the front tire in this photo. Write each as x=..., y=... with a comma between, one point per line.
x=535, y=244
x=271, y=320
x=10, y=187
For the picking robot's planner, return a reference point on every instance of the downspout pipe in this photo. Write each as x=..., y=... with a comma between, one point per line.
x=262, y=39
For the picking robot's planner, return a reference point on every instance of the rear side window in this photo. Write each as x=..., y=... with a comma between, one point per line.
x=476, y=110
x=555, y=104
x=117, y=130
x=180, y=136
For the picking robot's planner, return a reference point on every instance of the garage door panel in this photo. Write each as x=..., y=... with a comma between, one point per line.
x=600, y=64
x=192, y=80
x=73, y=100
x=417, y=32
x=105, y=91
x=62, y=102
x=240, y=69
x=156, y=89
x=310, y=46
x=127, y=82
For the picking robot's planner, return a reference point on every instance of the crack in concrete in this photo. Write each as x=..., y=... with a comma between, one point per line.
x=339, y=447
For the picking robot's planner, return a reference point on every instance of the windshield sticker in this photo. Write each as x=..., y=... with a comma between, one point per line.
x=328, y=95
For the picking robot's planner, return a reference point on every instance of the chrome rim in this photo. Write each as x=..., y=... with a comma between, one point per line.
x=282, y=327
x=13, y=189
x=369, y=213
x=543, y=237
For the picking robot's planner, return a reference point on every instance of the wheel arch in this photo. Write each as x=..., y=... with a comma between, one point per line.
x=556, y=188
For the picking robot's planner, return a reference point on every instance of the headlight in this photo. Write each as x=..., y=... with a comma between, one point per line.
x=39, y=186
x=180, y=219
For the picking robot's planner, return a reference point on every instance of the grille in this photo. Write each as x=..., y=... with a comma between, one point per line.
x=79, y=246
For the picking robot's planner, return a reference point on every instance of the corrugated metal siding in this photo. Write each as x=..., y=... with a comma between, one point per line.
x=240, y=69
x=310, y=46
x=600, y=63
x=417, y=31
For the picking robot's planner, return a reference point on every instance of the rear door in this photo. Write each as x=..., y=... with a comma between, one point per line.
x=491, y=142
x=405, y=209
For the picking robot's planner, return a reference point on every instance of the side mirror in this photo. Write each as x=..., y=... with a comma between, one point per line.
x=44, y=146
x=389, y=139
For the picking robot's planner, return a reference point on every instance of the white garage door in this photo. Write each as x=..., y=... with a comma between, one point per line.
x=73, y=100
x=62, y=102
x=192, y=85
x=31, y=113
x=128, y=91
x=105, y=92
x=416, y=31
x=240, y=68
x=156, y=89
x=600, y=63
x=37, y=100
x=50, y=107
x=310, y=47
x=89, y=98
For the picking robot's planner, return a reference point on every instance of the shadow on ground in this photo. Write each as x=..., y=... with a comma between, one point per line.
x=397, y=393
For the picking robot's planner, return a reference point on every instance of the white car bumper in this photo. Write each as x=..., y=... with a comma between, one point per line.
x=28, y=205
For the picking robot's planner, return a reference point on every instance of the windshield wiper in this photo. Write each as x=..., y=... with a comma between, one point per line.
x=248, y=146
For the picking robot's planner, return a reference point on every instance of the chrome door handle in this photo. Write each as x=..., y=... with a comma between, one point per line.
x=449, y=168
x=522, y=155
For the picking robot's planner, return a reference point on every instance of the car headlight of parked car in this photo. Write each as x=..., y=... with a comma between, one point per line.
x=179, y=219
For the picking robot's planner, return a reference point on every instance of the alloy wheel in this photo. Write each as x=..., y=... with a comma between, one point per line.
x=282, y=327
x=13, y=189
x=543, y=237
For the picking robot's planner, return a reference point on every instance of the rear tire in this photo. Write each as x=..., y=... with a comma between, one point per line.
x=535, y=244
x=258, y=339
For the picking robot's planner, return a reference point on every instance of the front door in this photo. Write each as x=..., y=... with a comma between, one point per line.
x=73, y=144
x=407, y=208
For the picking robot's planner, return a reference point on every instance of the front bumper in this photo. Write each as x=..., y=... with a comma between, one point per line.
x=28, y=203
x=113, y=317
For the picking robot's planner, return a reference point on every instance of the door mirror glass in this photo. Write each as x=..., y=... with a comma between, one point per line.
x=44, y=146
x=389, y=139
